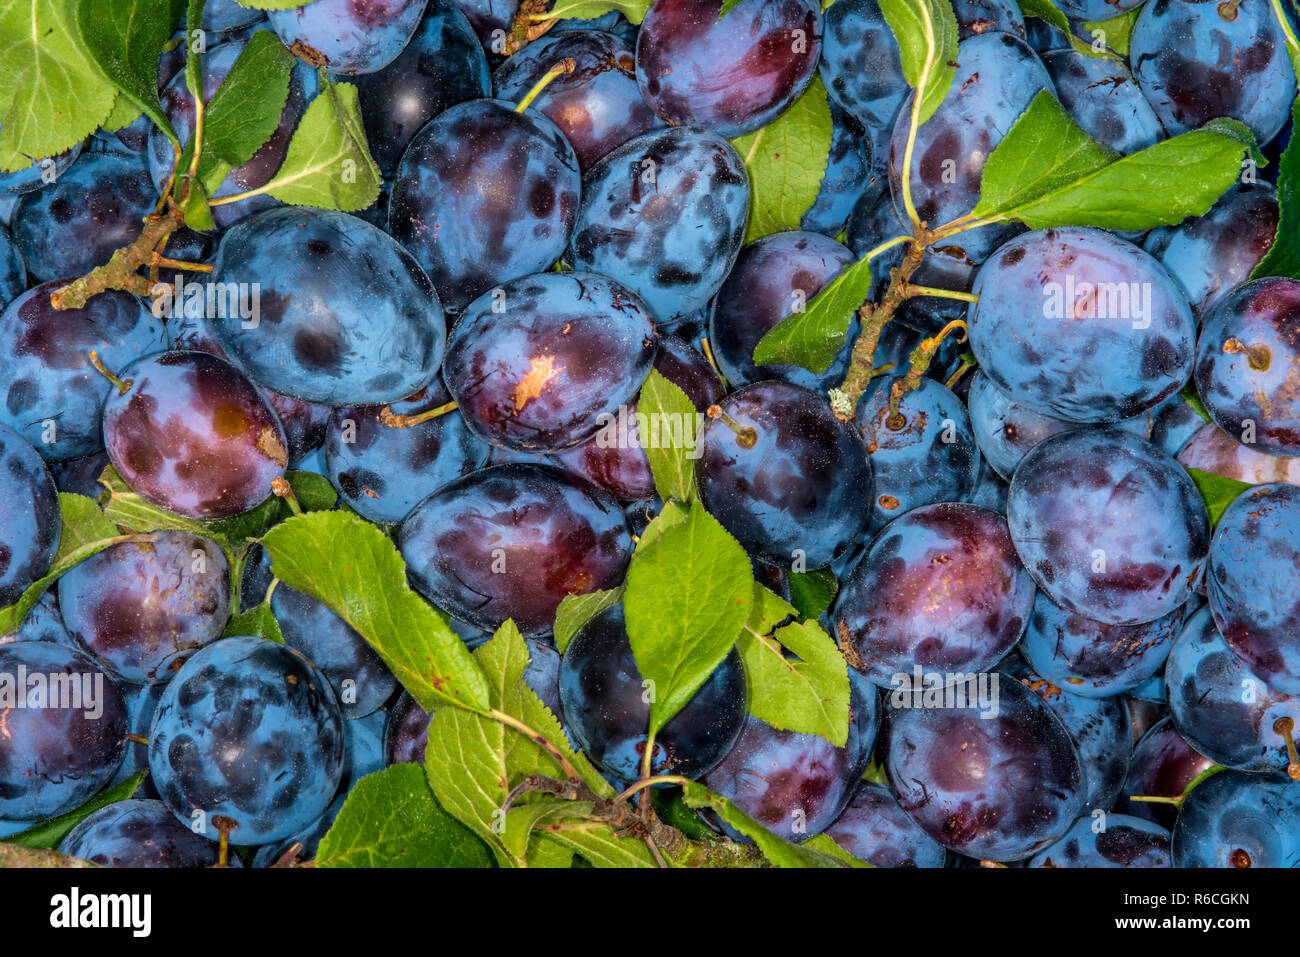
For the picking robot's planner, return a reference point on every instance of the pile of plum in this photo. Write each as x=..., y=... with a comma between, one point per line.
x=1024, y=512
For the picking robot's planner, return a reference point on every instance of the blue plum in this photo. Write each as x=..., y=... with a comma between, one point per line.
x=511, y=541
x=773, y=278
x=1174, y=425
x=39, y=174
x=1122, y=841
x=141, y=702
x=873, y=828
x=52, y=393
x=485, y=195
x=666, y=213
x=996, y=788
x=1248, y=363
x=786, y=477
x=1198, y=60
x=732, y=75
x=363, y=748
x=359, y=677
x=848, y=171
x=1163, y=765
x=939, y=589
x=613, y=22
x=1254, y=569
x=140, y=609
x=192, y=435
x=406, y=732
x=1093, y=659
x=1108, y=525
x=30, y=521
x=1210, y=255
x=925, y=452
x=598, y=107
x=491, y=20
x=13, y=271
x=92, y=211
x=348, y=36
x=535, y=364
x=1223, y=709
x=1238, y=820
x=443, y=65
x=341, y=314
x=606, y=708
x=248, y=731
x=225, y=16
x=797, y=784
x=1081, y=325
x=1103, y=98
x=137, y=833
x=300, y=848
x=65, y=727
x=43, y=623
x=860, y=64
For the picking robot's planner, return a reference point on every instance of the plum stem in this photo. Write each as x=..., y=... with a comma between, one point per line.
x=1285, y=726
x=647, y=782
x=940, y=293
x=1292, y=43
x=567, y=65
x=224, y=826
x=708, y=354
x=921, y=358
x=395, y=421
x=967, y=363
x=121, y=271
x=137, y=738
x=282, y=489
x=122, y=387
x=746, y=436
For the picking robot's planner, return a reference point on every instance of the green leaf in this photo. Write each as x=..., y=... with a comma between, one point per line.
x=670, y=516
x=314, y=492
x=670, y=444
x=673, y=811
x=473, y=761
x=926, y=32
x=599, y=844
x=1193, y=399
x=576, y=610
x=727, y=7
x=48, y=834
x=198, y=214
x=634, y=10
x=52, y=93
x=124, y=113
x=808, y=694
x=1158, y=186
x=812, y=338
x=1219, y=492
x=825, y=844
x=125, y=37
x=245, y=110
x=1116, y=32
x=523, y=819
x=688, y=595
x=258, y=621
x=390, y=819
x=812, y=592
x=1283, y=259
x=786, y=160
x=355, y=570
x=777, y=850
x=83, y=523
x=544, y=853
x=328, y=163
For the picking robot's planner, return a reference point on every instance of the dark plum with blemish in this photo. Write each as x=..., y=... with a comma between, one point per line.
x=30, y=520
x=598, y=106
x=1239, y=820
x=52, y=393
x=786, y=477
x=485, y=195
x=606, y=707
x=511, y=541
x=535, y=364
x=142, y=608
x=1081, y=325
x=1102, y=97
x=665, y=213
x=136, y=833
x=250, y=731
x=348, y=36
x=1108, y=525
x=873, y=828
x=406, y=732
x=44, y=622
x=939, y=589
x=193, y=435
x=68, y=737
x=732, y=75
x=343, y=314
x=1118, y=841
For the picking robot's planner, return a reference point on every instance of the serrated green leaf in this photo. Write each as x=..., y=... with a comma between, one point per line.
x=634, y=10
x=258, y=621
x=688, y=596
x=825, y=844
x=83, y=523
x=125, y=38
x=926, y=33
x=1219, y=492
x=473, y=761
x=670, y=516
x=777, y=850
x=522, y=819
x=576, y=610
x=1117, y=32
x=812, y=338
x=670, y=443
x=123, y=114
x=328, y=163
x=48, y=834
x=1283, y=259
x=1157, y=186
x=786, y=160
x=390, y=819
x=355, y=570
x=246, y=109
x=812, y=592
x=597, y=843
x=52, y=93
